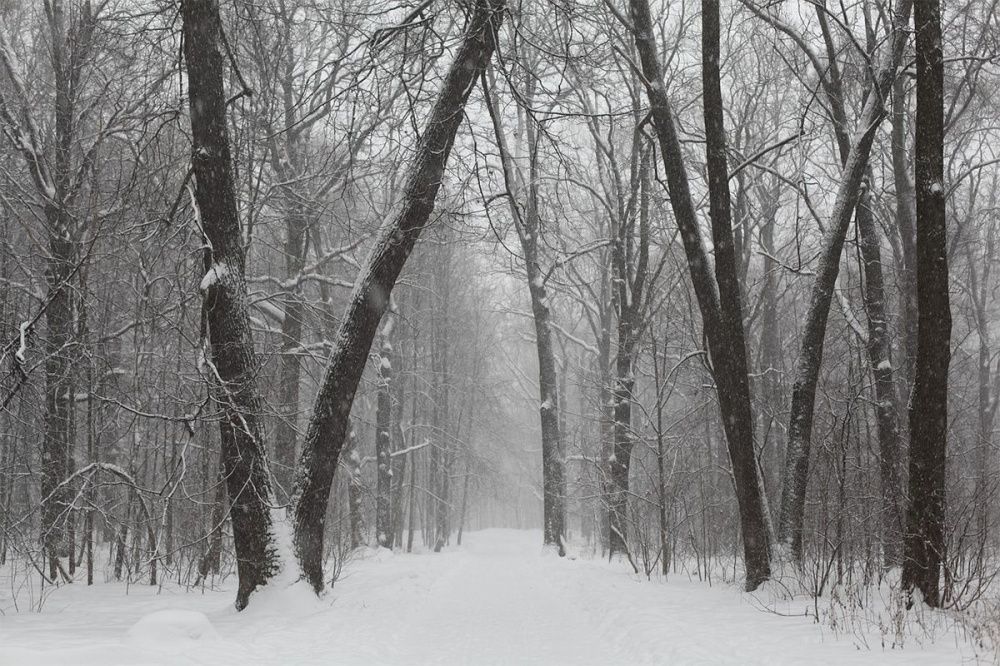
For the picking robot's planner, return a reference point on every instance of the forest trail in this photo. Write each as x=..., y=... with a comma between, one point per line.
x=498, y=599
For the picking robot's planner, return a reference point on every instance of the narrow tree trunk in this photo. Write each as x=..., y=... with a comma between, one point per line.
x=906, y=224
x=465, y=503
x=524, y=192
x=233, y=369
x=355, y=489
x=383, y=440
x=925, y=540
x=771, y=352
x=328, y=425
x=661, y=476
x=880, y=360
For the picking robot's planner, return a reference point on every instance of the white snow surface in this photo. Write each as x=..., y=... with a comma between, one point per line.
x=497, y=599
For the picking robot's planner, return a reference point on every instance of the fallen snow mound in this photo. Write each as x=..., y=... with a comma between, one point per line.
x=171, y=627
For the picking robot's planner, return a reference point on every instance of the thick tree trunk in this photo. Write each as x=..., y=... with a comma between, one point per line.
x=796, y=474
x=233, y=368
x=728, y=355
x=925, y=540
x=58, y=383
x=328, y=425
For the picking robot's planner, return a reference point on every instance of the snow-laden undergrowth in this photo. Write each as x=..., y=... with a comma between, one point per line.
x=498, y=599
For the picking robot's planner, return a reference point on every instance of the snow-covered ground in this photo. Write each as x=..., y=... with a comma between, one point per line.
x=496, y=600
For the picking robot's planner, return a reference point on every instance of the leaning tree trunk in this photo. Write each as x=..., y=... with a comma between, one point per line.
x=800, y=424
x=728, y=355
x=327, y=427
x=233, y=367
x=925, y=540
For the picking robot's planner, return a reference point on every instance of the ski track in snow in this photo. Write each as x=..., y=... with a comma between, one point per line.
x=499, y=599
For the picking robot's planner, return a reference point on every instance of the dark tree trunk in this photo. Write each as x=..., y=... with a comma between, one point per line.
x=728, y=355
x=925, y=540
x=328, y=425
x=58, y=383
x=233, y=369
x=553, y=469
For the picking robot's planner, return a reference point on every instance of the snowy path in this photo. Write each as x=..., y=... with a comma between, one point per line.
x=497, y=600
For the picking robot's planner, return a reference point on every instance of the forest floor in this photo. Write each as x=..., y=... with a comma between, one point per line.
x=497, y=599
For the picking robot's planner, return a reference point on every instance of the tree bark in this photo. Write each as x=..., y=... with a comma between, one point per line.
x=233, y=368
x=327, y=428
x=728, y=355
x=925, y=539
